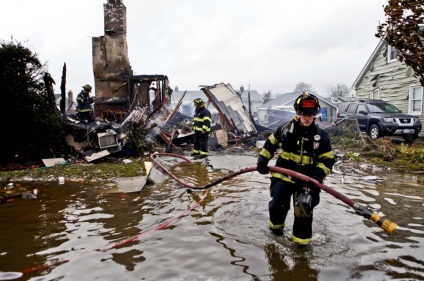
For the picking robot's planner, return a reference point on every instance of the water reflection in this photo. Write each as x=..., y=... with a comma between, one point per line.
x=225, y=238
x=287, y=268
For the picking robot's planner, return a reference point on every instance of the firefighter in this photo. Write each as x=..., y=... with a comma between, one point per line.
x=202, y=128
x=305, y=148
x=84, y=101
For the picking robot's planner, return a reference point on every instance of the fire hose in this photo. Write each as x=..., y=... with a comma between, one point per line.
x=382, y=222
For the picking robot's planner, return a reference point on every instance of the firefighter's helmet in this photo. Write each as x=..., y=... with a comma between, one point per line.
x=198, y=102
x=307, y=104
x=87, y=87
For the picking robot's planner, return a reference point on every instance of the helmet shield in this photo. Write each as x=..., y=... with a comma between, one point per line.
x=307, y=104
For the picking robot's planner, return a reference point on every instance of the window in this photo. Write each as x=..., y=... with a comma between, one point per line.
x=352, y=108
x=361, y=109
x=382, y=107
x=391, y=54
x=415, y=103
x=375, y=94
x=343, y=107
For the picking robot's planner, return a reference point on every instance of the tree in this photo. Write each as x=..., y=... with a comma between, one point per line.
x=403, y=32
x=31, y=126
x=267, y=96
x=302, y=86
x=340, y=90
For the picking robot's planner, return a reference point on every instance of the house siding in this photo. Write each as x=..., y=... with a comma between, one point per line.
x=393, y=80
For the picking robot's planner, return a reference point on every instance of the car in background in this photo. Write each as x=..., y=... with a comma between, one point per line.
x=378, y=118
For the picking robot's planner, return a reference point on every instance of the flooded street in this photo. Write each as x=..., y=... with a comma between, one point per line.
x=81, y=231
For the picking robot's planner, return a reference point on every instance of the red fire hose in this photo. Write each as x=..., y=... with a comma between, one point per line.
x=384, y=223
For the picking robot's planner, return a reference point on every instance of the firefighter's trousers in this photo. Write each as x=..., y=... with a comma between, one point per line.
x=281, y=193
x=200, y=143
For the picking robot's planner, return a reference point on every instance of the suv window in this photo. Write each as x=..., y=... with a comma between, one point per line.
x=361, y=108
x=343, y=107
x=382, y=107
x=352, y=108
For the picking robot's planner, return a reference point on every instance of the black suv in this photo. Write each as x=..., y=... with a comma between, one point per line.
x=379, y=118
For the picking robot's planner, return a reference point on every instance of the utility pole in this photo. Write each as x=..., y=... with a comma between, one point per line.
x=248, y=100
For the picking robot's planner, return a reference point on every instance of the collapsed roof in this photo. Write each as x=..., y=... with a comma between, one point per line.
x=232, y=113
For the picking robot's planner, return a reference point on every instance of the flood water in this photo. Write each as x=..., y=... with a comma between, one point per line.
x=79, y=231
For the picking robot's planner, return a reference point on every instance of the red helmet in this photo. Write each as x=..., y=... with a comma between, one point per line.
x=307, y=104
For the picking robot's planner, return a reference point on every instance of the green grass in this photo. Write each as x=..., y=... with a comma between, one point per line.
x=104, y=171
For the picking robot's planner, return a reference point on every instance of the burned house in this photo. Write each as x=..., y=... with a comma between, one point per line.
x=117, y=90
x=129, y=106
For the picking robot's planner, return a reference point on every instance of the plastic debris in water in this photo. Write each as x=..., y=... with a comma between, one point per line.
x=28, y=195
x=10, y=275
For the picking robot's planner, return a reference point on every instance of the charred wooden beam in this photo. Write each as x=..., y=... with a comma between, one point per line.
x=63, y=90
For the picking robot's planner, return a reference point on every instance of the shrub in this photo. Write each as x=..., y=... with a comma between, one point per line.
x=31, y=125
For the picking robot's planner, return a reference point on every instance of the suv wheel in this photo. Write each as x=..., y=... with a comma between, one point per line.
x=374, y=132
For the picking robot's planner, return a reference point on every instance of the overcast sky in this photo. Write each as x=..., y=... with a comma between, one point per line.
x=267, y=44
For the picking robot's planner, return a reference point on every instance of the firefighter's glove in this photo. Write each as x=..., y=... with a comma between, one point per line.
x=312, y=186
x=262, y=168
